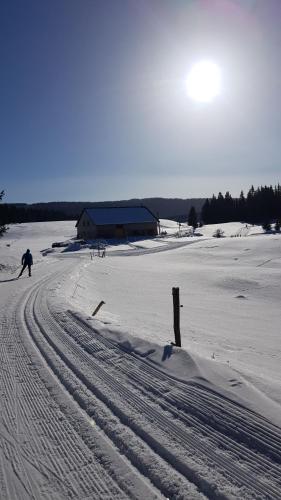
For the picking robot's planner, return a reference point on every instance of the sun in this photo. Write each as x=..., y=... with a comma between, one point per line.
x=204, y=81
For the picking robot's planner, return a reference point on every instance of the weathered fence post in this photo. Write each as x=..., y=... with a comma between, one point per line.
x=98, y=307
x=176, y=304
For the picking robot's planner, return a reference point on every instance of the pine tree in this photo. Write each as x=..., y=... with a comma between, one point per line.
x=251, y=215
x=241, y=205
x=205, y=212
x=3, y=228
x=213, y=210
x=192, y=218
x=266, y=226
x=229, y=208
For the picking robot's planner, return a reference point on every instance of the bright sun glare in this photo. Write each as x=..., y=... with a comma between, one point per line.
x=204, y=81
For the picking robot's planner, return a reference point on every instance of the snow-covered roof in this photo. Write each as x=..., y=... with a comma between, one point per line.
x=120, y=215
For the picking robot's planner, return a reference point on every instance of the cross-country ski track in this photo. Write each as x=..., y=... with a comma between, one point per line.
x=84, y=416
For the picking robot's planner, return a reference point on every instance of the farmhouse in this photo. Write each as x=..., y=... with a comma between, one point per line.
x=116, y=222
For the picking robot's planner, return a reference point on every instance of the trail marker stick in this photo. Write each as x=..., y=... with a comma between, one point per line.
x=176, y=307
x=98, y=307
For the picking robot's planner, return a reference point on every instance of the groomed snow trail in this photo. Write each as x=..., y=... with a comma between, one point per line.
x=50, y=448
x=86, y=417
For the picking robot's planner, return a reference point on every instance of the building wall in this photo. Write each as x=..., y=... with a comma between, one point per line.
x=87, y=230
x=124, y=230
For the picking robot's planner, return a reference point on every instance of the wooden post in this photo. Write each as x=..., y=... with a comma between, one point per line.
x=98, y=307
x=176, y=304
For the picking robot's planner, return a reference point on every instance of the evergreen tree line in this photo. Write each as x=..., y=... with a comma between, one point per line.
x=17, y=214
x=259, y=206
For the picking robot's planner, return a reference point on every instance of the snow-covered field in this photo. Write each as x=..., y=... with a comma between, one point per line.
x=105, y=406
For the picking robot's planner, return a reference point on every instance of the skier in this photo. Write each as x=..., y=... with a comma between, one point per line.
x=27, y=261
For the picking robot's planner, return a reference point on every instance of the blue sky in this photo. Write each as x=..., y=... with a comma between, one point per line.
x=93, y=101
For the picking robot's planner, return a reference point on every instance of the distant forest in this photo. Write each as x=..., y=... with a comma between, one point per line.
x=164, y=208
x=258, y=206
x=13, y=213
x=261, y=205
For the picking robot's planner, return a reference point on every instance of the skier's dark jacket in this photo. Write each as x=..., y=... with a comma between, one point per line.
x=27, y=259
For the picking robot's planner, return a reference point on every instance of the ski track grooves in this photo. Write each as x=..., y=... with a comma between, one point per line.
x=198, y=401
x=223, y=449
x=140, y=455
x=42, y=455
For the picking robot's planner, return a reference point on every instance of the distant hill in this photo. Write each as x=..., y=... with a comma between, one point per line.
x=164, y=208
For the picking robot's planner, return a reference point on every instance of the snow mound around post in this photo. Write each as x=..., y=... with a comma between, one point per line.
x=189, y=368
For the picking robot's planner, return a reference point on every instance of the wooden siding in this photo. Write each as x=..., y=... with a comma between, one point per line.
x=87, y=230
